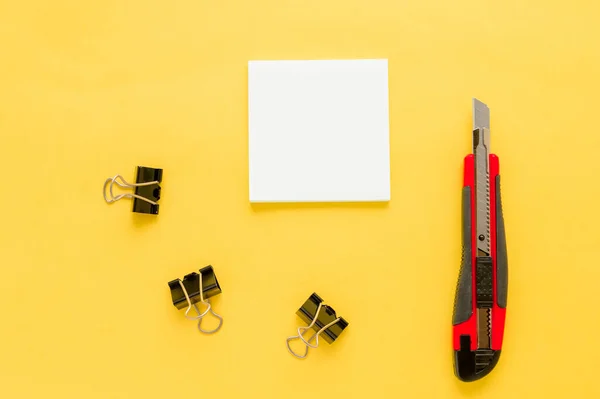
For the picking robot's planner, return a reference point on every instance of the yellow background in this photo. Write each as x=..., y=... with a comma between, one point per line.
x=89, y=89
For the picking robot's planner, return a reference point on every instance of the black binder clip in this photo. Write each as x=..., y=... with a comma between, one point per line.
x=322, y=319
x=147, y=189
x=197, y=287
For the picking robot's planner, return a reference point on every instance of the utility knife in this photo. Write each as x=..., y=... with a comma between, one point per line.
x=481, y=291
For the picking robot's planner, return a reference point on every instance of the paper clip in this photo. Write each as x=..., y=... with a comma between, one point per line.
x=147, y=189
x=322, y=319
x=197, y=287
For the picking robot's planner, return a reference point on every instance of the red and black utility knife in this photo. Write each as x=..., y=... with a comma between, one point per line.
x=480, y=302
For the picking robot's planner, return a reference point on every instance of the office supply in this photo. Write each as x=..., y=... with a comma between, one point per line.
x=197, y=288
x=146, y=186
x=480, y=302
x=318, y=131
x=322, y=319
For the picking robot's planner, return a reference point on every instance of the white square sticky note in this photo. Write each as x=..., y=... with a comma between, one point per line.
x=319, y=131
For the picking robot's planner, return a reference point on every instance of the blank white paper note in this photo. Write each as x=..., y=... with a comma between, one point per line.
x=318, y=131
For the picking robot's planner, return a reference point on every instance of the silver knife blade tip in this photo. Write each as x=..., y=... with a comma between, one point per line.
x=481, y=115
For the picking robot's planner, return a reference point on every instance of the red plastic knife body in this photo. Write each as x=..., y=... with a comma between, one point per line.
x=471, y=362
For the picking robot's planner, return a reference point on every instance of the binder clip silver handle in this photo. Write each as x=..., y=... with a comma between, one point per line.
x=200, y=315
x=121, y=182
x=315, y=336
